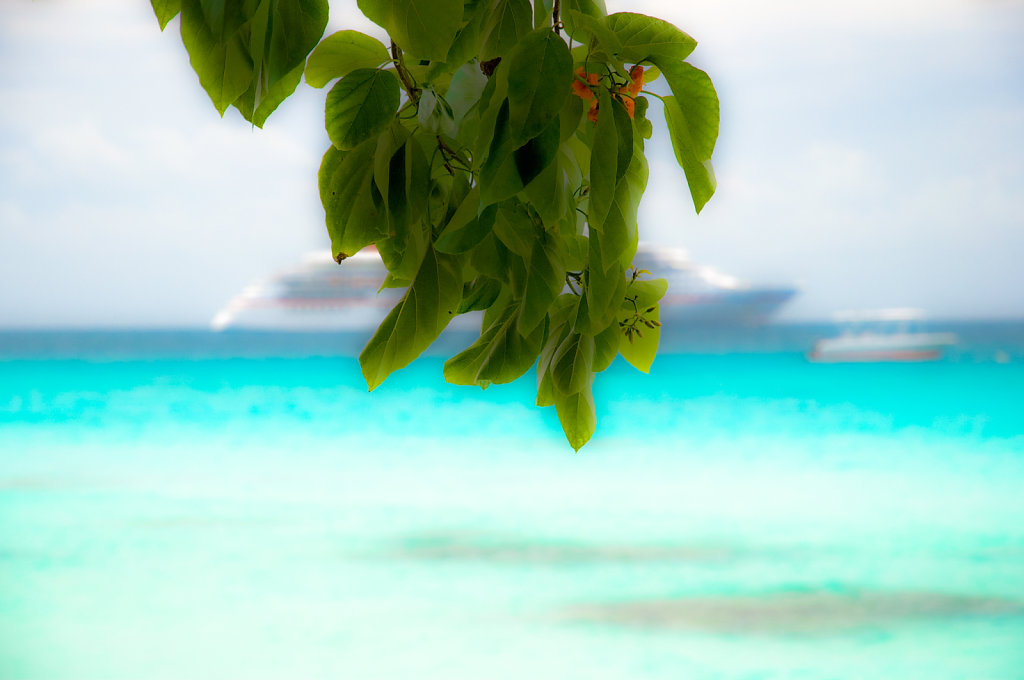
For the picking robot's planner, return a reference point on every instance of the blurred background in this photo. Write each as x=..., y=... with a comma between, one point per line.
x=789, y=493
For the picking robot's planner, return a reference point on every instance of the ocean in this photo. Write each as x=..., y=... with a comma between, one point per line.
x=188, y=505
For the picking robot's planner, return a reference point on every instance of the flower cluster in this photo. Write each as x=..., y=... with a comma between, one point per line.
x=583, y=84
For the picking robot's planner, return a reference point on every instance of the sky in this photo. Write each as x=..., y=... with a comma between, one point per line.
x=871, y=153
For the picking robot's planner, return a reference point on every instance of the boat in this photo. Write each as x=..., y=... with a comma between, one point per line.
x=319, y=295
x=884, y=335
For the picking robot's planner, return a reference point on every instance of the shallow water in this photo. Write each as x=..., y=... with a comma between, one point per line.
x=190, y=506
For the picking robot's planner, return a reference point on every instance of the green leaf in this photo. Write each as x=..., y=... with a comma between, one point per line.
x=341, y=53
x=698, y=102
x=403, y=253
x=606, y=285
x=640, y=348
x=606, y=347
x=467, y=225
x=416, y=321
x=465, y=46
x=500, y=355
x=165, y=10
x=516, y=228
x=465, y=90
x=603, y=162
x=390, y=177
x=560, y=314
x=624, y=134
x=532, y=158
x=576, y=251
x=545, y=278
x=423, y=28
x=295, y=28
x=586, y=28
x=577, y=416
x=499, y=178
x=504, y=25
x=434, y=114
x=646, y=38
x=539, y=81
x=700, y=175
x=270, y=100
x=647, y=292
x=217, y=52
x=360, y=106
x=693, y=117
x=591, y=8
x=251, y=55
x=354, y=219
x=479, y=294
x=572, y=364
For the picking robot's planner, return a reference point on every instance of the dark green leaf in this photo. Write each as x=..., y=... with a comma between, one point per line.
x=341, y=53
x=516, y=228
x=389, y=176
x=506, y=22
x=539, y=81
x=360, y=106
x=217, y=52
x=537, y=154
x=499, y=178
x=572, y=364
x=423, y=28
x=606, y=347
x=606, y=285
x=271, y=99
x=624, y=133
x=416, y=321
x=491, y=258
x=560, y=315
x=354, y=219
x=296, y=27
x=467, y=225
x=545, y=278
x=603, y=163
x=480, y=294
x=500, y=355
x=542, y=12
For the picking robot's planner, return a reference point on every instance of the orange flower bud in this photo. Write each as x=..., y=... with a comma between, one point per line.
x=636, y=74
x=579, y=88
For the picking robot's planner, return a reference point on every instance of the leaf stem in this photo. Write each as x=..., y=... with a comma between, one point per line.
x=408, y=82
x=556, y=9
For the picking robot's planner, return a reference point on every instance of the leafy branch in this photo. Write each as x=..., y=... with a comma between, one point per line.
x=494, y=154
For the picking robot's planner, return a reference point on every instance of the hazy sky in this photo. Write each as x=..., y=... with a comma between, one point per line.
x=871, y=152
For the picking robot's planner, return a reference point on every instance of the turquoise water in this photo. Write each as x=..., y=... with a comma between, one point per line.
x=173, y=506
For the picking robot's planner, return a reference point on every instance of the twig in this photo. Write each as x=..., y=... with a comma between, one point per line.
x=403, y=73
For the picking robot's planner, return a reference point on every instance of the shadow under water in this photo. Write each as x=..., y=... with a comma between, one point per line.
x=796, y=613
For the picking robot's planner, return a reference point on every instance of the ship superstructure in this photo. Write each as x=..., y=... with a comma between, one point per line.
x=318, y=294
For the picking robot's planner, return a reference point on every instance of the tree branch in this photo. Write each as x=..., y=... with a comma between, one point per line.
x=408, y=82
x=555, y=20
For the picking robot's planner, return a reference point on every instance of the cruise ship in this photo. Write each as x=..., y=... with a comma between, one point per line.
x=320, y=295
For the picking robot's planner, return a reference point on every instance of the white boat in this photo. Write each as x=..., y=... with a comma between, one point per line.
x=881, y=335
x=320, y=295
